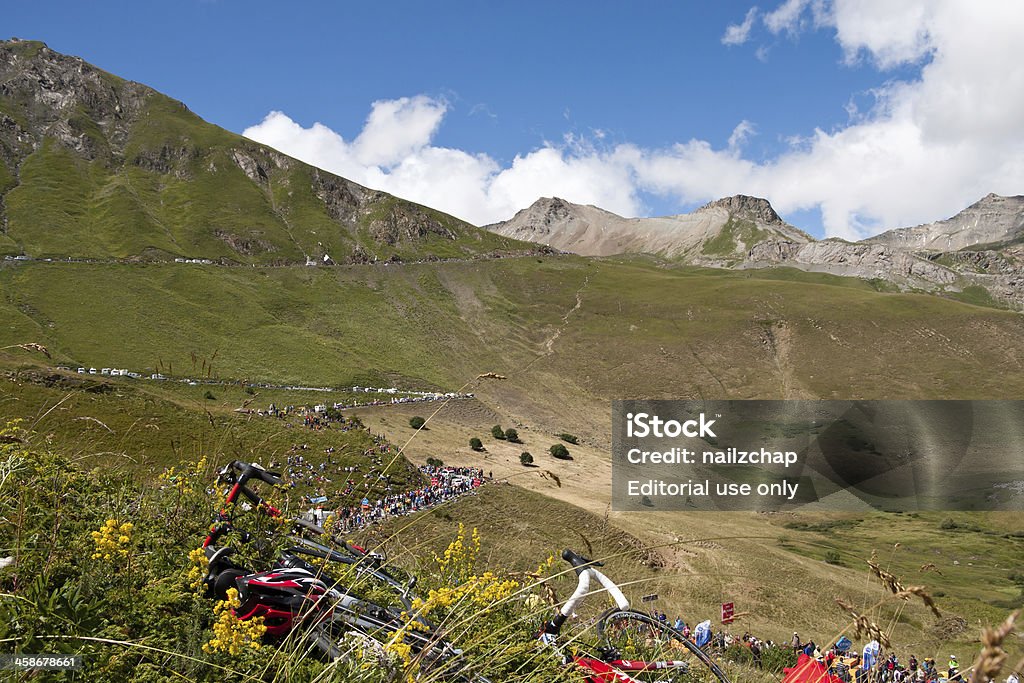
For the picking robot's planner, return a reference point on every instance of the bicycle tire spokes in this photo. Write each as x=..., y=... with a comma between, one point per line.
x=650, y=651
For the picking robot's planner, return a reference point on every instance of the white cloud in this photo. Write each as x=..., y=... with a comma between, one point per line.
x=743, y=130
x=928, y=147
x=393, y=153
x=737, y=34
x=891, y=33
x=786, y=17
x=397, y=129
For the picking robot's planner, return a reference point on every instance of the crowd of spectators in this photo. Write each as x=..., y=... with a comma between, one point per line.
x=446, y=483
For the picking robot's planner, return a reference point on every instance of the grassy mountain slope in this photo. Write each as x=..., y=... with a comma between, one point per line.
x=92, y=166
x=570, y=333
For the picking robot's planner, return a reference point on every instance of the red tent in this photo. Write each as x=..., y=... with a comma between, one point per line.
x=808, y=670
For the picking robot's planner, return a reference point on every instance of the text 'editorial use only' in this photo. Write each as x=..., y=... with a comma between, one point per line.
x=832, y=455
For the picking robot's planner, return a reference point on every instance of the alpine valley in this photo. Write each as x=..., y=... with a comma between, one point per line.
x=220, y=277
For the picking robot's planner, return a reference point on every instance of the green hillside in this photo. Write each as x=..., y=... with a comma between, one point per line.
x=104, y=183
x=92, y=166
x=570, y=333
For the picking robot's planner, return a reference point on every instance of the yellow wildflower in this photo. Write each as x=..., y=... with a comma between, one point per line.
x=112, y=540
x=198, y=569
x=230, y=634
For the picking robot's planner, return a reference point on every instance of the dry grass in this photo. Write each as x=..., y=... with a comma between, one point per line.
x=990, y=660
x=890, y=581
x=30, y=346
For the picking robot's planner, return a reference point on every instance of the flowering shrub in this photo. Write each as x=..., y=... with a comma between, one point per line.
x=230, y=634
x=197, y=571
x=457, y=562
x=184, y=479
x=112, y=540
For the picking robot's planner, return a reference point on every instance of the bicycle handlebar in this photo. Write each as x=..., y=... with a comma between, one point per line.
x=246, y=473
x=249, y=470
x=579, y=562
x=585, y=570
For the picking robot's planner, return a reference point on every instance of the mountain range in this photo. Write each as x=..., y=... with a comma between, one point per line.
x=94, y=166
x=980, y=247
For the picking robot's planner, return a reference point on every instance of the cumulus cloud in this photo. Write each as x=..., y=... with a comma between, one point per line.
x=394, y=153
x=737, y=34
x=929, y=146
x=397, y=129
x=891, y=33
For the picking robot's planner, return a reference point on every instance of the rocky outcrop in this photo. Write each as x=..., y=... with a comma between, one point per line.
x=66, y=99
x=250, y=167
x=744, y=206
x=993, y=220
x=246, y=246
x=774, y=251
x=853, y=259
x=341, y=197
x=167, y=160
x=1009, y=261
x=392, y=223
x=1000, y=274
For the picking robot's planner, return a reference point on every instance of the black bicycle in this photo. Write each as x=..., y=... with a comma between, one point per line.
x=321, y=591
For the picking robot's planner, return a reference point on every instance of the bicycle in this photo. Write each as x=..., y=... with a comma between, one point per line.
x=298, y=597
x=634, y=647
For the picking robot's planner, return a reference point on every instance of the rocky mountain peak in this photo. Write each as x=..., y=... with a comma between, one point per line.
x=66, y=98
x=998, y=201
x=552, y=208
x=755, y=208
x=992, y=220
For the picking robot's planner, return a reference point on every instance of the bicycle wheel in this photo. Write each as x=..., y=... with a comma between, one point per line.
x=649, y=650
x=355, y=632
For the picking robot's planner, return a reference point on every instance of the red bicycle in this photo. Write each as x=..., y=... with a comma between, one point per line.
x=634, y=647
x=301, y=597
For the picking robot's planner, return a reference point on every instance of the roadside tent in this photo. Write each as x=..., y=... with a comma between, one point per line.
x=702, y=634
x=808, y=670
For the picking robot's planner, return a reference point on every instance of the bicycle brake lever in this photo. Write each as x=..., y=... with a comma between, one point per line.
x=226, y=475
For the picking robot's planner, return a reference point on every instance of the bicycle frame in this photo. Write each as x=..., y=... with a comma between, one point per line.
x=296, y=592
x=597, y=670
x=303, y=597
x=250, y=471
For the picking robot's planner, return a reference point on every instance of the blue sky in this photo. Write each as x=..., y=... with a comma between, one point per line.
x=849, y=117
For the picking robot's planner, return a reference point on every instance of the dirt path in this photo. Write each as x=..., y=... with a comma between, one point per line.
x=778, y=337
x=549, y=345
